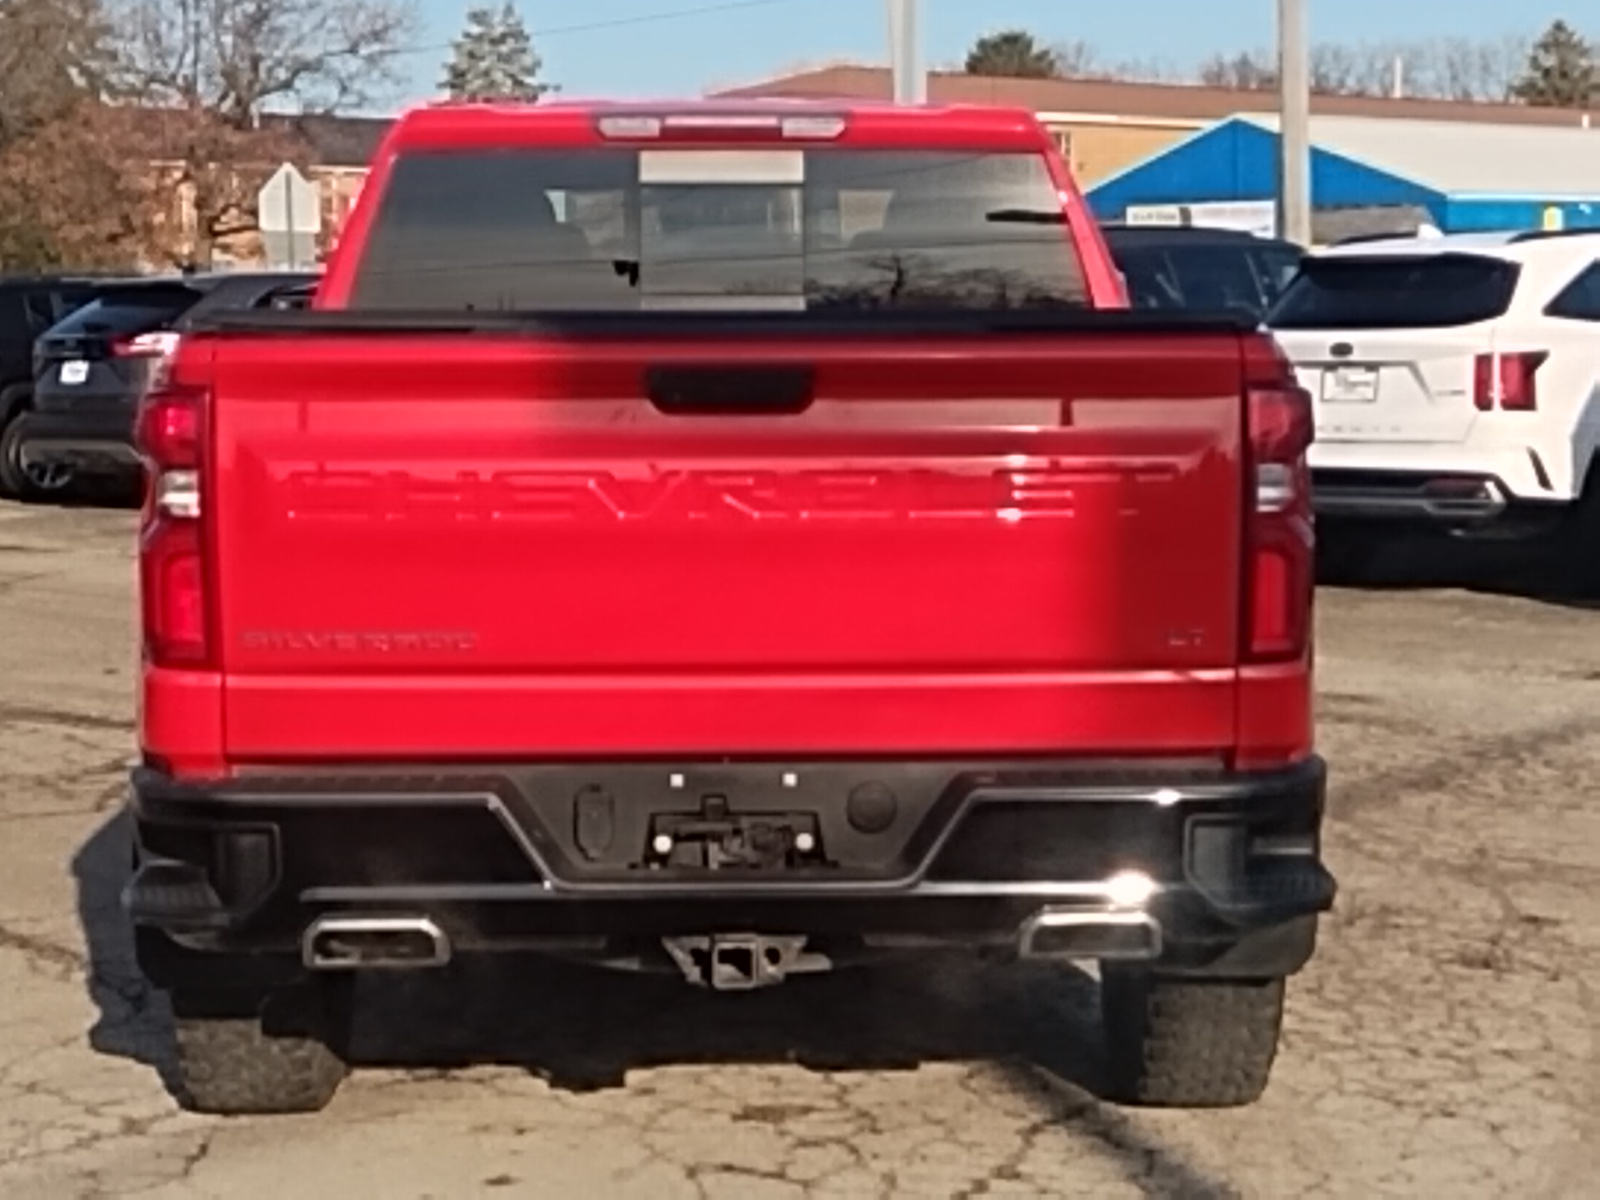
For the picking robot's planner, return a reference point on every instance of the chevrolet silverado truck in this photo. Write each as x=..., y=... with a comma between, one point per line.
x=742, y=539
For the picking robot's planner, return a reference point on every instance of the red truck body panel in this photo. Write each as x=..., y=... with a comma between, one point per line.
x=504, y=548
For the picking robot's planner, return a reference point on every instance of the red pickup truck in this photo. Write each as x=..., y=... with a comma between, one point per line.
x=740, y=539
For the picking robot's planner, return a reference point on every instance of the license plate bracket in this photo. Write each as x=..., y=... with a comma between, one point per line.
x=717, y=839
x=1350, y=385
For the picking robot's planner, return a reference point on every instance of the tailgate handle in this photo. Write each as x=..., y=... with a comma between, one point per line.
x=726, y=391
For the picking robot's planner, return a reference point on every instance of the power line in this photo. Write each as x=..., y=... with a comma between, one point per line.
x=677, y=14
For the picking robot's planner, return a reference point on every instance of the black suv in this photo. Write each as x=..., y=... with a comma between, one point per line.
x=28, y=307
x=1202, y=270
x=91, y=368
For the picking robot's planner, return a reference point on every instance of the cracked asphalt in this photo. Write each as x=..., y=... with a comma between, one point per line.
x=1445, y=1041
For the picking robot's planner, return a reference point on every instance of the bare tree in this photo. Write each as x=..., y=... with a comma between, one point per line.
x=1247, y=71
x=76, y=192
x=1438, y=69
x=1337, y=70
x=1489, y=70
x=1148, y=70
x=53, y=54
x=237, y=58
x=1443, y=69
x=71, y=188
x=1076, y=60
x=218, y=67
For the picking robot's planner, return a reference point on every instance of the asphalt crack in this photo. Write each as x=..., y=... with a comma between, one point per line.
x=1441, y=772
x=41, y=952
x=31, y=714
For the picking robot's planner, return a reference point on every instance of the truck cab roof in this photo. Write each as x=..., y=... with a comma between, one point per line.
x=797, y=121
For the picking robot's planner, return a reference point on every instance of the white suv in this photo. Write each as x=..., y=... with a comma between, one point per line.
x=1456, y=379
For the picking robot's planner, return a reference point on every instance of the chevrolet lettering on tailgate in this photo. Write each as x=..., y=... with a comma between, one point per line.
x=602, y=496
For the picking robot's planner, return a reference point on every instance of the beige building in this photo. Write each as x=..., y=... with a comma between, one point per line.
x=1104, y=126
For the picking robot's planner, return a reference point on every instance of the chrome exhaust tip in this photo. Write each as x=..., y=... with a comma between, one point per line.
x=349, y=943
x=1103, y=935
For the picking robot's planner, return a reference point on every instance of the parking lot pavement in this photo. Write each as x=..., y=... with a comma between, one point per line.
x=1446, y=1040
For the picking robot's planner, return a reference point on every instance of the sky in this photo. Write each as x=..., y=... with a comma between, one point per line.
x=671, y=48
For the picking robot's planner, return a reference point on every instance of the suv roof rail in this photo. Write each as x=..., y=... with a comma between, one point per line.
x=1362, y=239
x=1540, y=235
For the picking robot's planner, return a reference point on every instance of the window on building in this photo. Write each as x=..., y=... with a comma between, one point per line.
x=1580, y=299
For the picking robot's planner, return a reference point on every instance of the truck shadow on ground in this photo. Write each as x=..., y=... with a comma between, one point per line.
x=119, y=495
x=1520, y=570
x=583, y=1029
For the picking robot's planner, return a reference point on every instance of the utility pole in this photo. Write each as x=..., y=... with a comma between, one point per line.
x=1294, y=123
x=905, y=53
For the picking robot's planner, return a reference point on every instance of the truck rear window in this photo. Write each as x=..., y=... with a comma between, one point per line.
x=1393, y=292
x=605, y=230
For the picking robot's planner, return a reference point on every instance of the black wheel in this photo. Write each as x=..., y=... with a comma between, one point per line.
x=26, y=482
x=1185, y=1043
x=236, y=1055
x=13, y=483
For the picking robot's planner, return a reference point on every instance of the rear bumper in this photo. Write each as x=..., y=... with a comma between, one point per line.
x=96, y=441
x=1529, y=471
x=560, y=858
x=1408, y=496
x=1446, y=500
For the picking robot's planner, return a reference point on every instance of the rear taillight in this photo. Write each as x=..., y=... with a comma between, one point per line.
x=1507, y=381
x=145, y=345
x=173, y=568
x=1279, y=545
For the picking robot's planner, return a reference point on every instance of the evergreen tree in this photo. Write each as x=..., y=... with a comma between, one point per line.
x=494, y=59
x=1013, y=53
x=1561, y=70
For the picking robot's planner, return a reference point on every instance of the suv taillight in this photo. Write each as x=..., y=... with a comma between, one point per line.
x=145, y=345
x=173, y=574
x=1279, y=544
x=1506, y=381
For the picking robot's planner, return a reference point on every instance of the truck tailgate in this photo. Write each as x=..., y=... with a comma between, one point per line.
x=497, y=546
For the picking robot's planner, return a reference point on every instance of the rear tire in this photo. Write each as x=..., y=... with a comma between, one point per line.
x=284, y=1056
x=16, y=481
x=13, y=482
x=1187, y=1043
